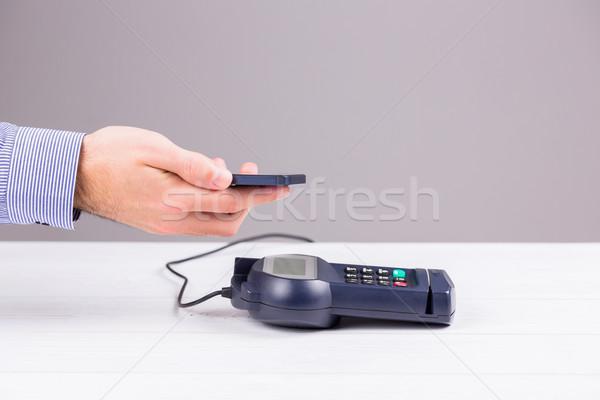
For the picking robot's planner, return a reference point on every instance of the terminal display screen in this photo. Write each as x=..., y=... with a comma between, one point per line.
x=289, y=266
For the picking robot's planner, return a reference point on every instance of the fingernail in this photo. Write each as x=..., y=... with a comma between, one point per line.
x=222, y=178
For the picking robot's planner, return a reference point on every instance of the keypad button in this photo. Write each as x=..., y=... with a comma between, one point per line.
x=367, y=282
x=383, y=278
x=399, y=280
x=399, y=283
x=366, y=271
x=383, y=272
x=351, y=280
x=398, y=273
x=351, y=276
x=384, y=283
x=350, y=270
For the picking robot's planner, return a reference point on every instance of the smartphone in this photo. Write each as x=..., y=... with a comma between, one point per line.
x=267, y=180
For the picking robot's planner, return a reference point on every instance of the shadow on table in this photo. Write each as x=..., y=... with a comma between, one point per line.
x=351, y=323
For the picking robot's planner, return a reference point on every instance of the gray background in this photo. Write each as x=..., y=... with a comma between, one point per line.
x=495, y=106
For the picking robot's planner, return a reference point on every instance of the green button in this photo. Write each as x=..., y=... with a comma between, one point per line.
x=398, y=273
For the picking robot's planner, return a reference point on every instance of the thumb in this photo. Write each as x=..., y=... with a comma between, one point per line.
x=194, y=168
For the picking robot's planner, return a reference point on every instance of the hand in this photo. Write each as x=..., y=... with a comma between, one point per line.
x=142, y=179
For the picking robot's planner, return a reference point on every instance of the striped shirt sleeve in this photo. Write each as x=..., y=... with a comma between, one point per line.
x=38, y=168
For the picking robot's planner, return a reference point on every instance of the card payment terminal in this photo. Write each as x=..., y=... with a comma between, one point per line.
x=306, y=291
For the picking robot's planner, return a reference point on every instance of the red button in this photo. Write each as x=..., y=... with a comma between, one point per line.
x=399, y=283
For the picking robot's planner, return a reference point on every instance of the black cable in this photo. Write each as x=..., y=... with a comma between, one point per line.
x=226, y=291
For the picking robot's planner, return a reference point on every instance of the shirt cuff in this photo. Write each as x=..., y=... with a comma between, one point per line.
x=41, y=177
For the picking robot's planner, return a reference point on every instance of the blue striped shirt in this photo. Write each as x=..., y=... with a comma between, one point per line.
x=38, y=168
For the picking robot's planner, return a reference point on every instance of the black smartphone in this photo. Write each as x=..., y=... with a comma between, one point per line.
x=267, y=180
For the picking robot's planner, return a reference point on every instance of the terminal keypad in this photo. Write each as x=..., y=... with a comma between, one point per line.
x=376, y=276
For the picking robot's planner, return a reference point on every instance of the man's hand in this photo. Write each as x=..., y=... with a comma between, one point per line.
x=142, y=179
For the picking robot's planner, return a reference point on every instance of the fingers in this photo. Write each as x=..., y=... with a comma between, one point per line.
x=194, y=168
x=200, y=212
x=187, y=198
x=249, y=168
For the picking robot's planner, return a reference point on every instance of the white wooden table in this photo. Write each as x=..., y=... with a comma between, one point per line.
x=99, y=321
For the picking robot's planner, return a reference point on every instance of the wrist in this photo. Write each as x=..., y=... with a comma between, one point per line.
x=81, y=196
